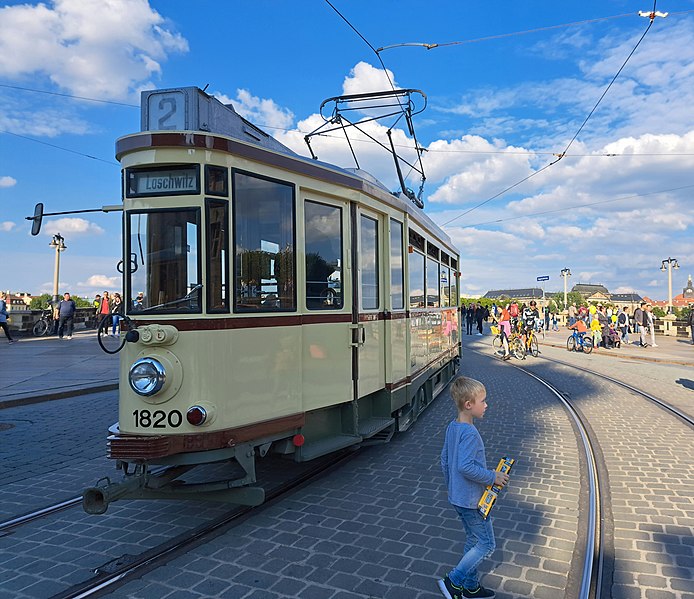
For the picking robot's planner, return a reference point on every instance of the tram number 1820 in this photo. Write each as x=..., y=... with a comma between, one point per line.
x=157, y=419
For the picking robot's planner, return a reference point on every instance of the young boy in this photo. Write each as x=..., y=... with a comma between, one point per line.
x=464, y=467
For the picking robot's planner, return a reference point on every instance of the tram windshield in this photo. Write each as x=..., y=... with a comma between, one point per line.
x=164, y=265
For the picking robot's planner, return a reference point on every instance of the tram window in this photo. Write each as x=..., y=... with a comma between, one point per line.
x=217, y=214
x=416, y=268
x=454, y=288
x=397, y=291
x=264, y=267
x=445, y=286
x=368, y=263
x=416, y=240
x=433, y=299
x=323, y=256
x=216, y=181
x=166, y=245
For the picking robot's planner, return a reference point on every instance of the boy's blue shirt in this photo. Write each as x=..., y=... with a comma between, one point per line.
x=464, y=465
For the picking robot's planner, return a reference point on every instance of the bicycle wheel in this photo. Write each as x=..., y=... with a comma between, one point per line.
x=518, y=349
x=40, y=328
x=571, y=343
x=587, y=345
x=534, y=349
x=497, y=344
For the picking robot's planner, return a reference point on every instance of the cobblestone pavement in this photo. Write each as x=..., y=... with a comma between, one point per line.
x=648, y=455
x=379, y=526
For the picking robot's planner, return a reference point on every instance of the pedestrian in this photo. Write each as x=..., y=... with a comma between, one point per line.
x=623, y=324
x=572, y=314
x=690, y=321
x=97, y=308
x=651, y=323
x=555, y=322
x=640, y=321
x=3, y=318
x=118, y=313
x=469, y=317
x=465, y=471
x=66, y=315
x=481, y=314
x=104, y=312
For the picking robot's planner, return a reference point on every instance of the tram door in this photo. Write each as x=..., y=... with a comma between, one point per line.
x=367, y=308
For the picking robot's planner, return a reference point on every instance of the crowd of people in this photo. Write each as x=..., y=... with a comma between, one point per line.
x=608, y=327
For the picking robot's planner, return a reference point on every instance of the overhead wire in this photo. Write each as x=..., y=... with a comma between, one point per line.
x=392, y=85
x=562, y=154
x=45, y=143
x=577, y=206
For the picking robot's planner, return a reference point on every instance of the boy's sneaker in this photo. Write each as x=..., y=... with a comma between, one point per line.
x=449, y=590
x=478, y=592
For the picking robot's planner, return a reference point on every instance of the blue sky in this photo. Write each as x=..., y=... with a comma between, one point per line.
x=511, y=92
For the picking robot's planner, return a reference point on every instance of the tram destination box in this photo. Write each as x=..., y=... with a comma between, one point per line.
x=191, y=109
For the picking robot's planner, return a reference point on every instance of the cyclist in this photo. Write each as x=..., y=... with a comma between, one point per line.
x=503, y=317
x=529, y=318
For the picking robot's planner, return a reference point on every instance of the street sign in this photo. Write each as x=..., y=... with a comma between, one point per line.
x=543, y=278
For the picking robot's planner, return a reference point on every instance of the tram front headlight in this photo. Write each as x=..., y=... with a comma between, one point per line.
x=147, y=376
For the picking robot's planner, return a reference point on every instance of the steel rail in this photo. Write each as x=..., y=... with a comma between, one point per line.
x=104, y=580
x=40, y=513
x=17, y=521
x=660, y=402
x=591, y=580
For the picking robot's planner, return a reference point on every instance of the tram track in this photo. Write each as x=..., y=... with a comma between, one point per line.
x=590, y=579
x=656, y=400
x=127, y=567
x=599, y=564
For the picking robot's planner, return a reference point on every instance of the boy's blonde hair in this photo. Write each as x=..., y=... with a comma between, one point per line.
x=465, y=389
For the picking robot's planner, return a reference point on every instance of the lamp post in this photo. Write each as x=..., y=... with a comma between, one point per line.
x=566, y=273
x=671, y=263
x=58, y=242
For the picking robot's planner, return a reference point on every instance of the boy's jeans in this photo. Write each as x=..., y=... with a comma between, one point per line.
x=478, y=545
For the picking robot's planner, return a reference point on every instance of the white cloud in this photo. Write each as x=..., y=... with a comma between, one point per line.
x=96, y=282
x=91, y=48
x=70, y=227
x=7, y=181
x=260, y=111
x=7, y=225
x=364, y=78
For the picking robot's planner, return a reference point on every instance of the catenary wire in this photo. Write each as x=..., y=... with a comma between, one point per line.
x=45, y=143
x=561, y=155
x=431, y=46
x=574, y=207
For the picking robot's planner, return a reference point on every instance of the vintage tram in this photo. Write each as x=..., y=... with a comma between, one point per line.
x=275, y=304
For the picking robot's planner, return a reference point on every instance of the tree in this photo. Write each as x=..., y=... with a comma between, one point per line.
x=41, y=302
x=572, y=297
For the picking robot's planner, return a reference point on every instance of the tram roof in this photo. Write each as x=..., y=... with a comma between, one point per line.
x=218, y=119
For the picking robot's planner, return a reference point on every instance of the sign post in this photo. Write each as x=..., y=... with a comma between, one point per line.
x=543, y=279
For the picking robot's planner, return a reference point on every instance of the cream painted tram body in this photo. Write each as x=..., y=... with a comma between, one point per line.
x=288, y=306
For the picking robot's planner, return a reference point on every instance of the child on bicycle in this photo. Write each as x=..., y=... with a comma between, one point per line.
x=503, y=318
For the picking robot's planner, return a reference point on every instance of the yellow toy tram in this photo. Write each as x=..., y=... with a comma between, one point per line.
x=275, y=304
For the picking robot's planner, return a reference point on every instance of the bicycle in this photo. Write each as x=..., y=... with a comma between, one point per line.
x=579, y=342
x=516, y=346
x=44, y=325
x=531, y=344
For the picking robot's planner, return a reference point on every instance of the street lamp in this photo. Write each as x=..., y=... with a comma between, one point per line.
x=566, y=273
x=671, y=263
x=58, y=242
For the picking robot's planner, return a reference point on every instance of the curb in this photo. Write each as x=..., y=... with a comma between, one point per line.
x=55, y=394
